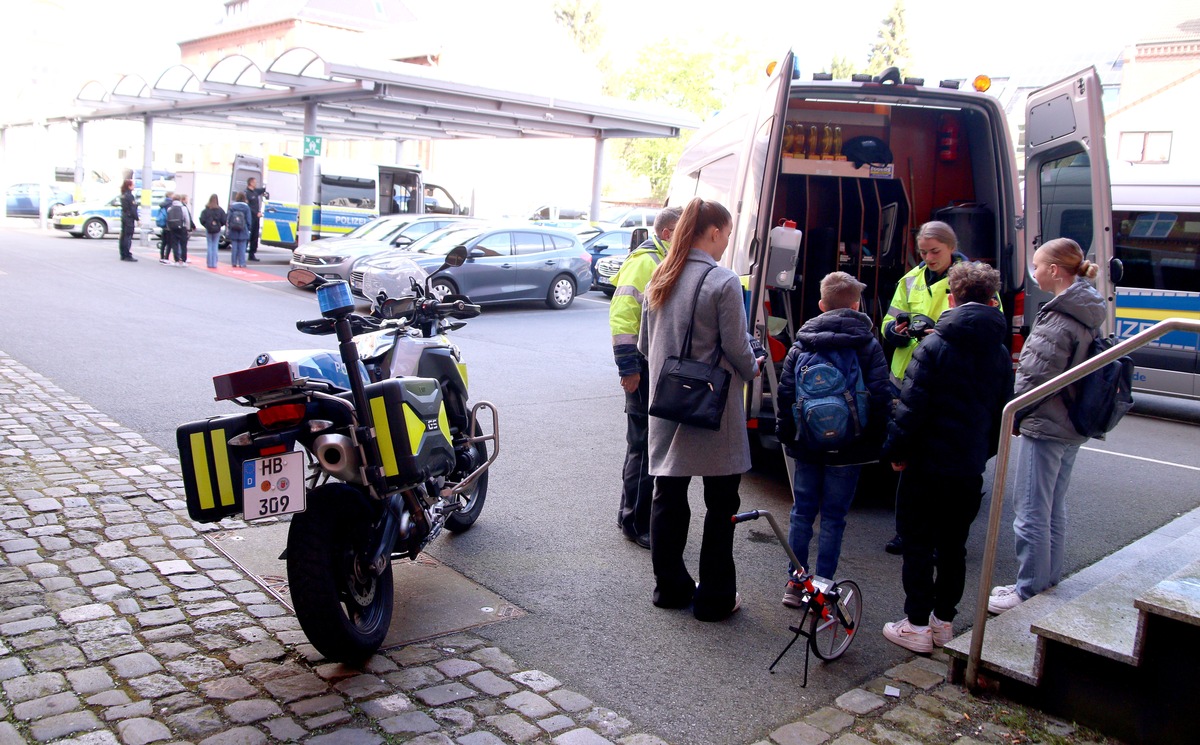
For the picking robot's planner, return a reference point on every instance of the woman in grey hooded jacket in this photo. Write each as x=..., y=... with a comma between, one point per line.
x=1061, y=335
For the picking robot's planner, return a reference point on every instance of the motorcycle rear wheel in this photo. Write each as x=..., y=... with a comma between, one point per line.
x=344, y=618
x=462, y=520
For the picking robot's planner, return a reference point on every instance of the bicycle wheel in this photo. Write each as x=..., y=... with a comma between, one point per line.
x=830, y=637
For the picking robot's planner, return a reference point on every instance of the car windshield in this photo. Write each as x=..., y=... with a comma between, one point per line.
x=377, y=229
x=613, y=214
x=440, y=243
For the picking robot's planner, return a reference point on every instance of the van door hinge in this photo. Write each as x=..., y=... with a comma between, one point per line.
x=1020, y=222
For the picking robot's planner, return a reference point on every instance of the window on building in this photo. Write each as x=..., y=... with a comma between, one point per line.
x=1145, y=147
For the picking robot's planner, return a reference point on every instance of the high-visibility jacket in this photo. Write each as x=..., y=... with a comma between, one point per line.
x=915, y=294
x=625, y=311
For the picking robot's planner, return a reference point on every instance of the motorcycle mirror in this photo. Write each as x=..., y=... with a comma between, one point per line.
x=398, y=308
x=457, y=256
x=304, y=279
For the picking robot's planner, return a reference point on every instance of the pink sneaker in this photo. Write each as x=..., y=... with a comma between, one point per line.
x=913, y=638
x=943, y=631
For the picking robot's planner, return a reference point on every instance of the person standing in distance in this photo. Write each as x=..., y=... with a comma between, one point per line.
x=129, y=219
x=625, y=320
x=237, y=228
x=716, y=316
x=254, y=194
x=212, y=219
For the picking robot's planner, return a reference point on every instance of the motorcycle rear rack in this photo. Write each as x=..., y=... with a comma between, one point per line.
x=463, y=486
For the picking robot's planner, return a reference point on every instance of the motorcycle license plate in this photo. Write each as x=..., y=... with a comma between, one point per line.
x=273, y=486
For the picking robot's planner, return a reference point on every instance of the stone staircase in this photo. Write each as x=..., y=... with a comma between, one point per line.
x=1115, y=646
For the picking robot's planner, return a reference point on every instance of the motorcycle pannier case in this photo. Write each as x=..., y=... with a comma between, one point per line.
x=212, y=468
x=412, y=430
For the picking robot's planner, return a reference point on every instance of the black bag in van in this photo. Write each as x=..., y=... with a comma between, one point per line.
x=974, y=225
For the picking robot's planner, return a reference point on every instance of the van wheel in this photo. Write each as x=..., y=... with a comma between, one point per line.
x=562, y=292
x=94, y=229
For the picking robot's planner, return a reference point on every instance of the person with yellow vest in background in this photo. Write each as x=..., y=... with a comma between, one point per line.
x=924, y=291
x=625, y=320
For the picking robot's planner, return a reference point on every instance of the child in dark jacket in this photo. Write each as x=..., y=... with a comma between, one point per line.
x=946, y=427
x=824, y=481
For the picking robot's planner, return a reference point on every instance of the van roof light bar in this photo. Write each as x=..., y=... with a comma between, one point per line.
x=950, y=84
x=822, y=76
x=914, y=81
x=861, y=77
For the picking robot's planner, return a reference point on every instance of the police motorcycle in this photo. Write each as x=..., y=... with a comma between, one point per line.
x=371, y=453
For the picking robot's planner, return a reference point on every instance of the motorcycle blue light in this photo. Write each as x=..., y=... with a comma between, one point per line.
x=334, y=299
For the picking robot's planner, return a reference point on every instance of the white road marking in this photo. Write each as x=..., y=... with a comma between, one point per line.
x=1148, y=460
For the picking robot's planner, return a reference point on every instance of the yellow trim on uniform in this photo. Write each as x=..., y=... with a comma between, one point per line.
x=415, y=426
x=383, y=436
x=283, y=164
x=221, y=461
x=200, y=471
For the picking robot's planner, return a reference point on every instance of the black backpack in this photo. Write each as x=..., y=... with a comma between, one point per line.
x=1098, y=401
x=237, y=219
x=175, y=216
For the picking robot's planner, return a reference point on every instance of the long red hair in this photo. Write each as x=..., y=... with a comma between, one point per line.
x=698, y=218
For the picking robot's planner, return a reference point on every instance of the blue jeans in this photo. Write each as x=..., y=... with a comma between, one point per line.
x=239, y=251
x=214, y=240
x=1043, y=475
x=828, y=490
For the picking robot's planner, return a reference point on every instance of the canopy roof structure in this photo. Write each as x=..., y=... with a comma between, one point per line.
x=396, y=102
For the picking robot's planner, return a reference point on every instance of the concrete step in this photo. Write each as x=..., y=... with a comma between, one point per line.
x=1012, y=648
x=1177, y=596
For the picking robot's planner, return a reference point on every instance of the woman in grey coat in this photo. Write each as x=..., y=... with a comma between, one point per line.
x=1061, y=335
x=678, y=452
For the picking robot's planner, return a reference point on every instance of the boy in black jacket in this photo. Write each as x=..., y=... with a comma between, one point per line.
x=946, y=427
x=824, y=480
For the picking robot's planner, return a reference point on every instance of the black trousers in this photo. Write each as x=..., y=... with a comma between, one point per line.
x=934, y=513
x=637, y=486
x=254, y=226
x=670, y=516
x=125, y=242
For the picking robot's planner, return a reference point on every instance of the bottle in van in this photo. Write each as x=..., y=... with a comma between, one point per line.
x=814, y=148
x=827, y=144
x=837, y=144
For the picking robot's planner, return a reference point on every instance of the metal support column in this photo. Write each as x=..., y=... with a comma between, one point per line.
x=79, y=170
x=4, y=177
x=144, y=214
x=597, y=179
x=308, y=171
x=46, y=178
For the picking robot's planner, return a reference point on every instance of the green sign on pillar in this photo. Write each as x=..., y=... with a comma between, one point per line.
x=312, y=145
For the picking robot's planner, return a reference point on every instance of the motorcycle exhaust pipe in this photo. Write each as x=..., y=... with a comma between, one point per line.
x=337, y=455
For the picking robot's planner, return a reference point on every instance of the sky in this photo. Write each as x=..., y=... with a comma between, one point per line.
x=59, y=44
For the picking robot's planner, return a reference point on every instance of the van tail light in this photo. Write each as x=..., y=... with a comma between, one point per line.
x=1018, y=339
x=281, y=415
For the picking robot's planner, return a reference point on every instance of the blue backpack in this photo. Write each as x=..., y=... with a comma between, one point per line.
x=832, y=400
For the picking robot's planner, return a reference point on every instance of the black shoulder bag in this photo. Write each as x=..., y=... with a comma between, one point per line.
x=690, y=391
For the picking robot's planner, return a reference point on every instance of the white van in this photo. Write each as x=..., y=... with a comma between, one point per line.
x=951, y=159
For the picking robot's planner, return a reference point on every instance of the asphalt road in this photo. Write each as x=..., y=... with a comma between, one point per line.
x=142, y=341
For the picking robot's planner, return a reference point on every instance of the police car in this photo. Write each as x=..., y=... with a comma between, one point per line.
x=97, y=219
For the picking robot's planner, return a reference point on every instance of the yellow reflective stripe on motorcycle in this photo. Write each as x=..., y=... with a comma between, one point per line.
x=200, y=471
x=221, y=462
x=416, y=429
x=443, y=422
x=462, y=371
x=383, y=436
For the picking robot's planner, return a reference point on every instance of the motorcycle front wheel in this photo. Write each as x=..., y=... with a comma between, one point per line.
x=463, y=519
x=343, y=614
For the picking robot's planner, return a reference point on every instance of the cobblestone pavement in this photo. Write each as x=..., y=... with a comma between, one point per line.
x=119, y=623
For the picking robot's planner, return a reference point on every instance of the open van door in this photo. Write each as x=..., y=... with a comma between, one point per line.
x=1067, y=192
x=747, y=254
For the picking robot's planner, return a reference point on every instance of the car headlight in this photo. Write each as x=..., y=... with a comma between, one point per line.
x=335, y=259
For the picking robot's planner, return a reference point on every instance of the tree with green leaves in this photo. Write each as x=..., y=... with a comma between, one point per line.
x=891, y=45
x=699, y=82
x=840, y=67
x=581, y=19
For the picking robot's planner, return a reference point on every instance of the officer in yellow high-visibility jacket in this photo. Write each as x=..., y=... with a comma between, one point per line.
x=625, y=320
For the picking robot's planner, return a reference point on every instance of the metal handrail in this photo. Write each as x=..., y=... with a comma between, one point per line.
x=1050, y=387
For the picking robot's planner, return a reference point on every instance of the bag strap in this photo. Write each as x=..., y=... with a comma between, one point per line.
x=686, y=352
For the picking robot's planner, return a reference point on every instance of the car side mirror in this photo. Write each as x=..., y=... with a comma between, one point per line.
x=639, y=236
x=475, y=253
x=402, y=241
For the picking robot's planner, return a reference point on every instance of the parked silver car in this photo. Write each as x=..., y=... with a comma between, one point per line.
x=334, y=258
x=504, y=264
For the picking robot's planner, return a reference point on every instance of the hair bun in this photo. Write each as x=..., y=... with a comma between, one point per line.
x=1087, y=269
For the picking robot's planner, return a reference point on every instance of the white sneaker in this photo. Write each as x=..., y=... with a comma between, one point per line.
x=943, y=631
x=1003, y=589
x=1003, y=600
x=913, y=638
x=163, y=261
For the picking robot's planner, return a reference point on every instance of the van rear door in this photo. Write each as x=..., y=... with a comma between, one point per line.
x=747, y=254
x=1067, y=192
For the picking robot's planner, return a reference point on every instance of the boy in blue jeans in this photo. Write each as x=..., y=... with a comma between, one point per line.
x=824, y=480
